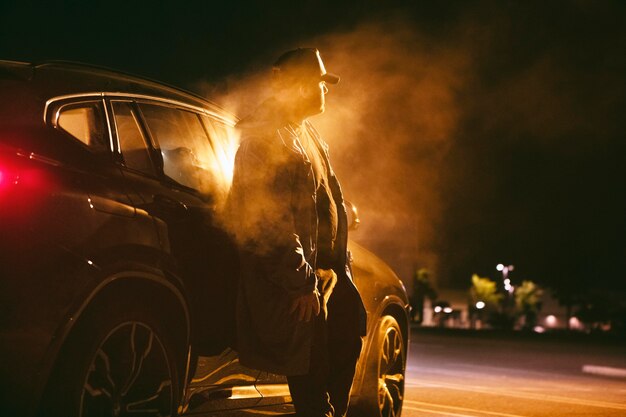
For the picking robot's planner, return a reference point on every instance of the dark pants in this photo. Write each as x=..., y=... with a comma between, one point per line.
x=325, y=390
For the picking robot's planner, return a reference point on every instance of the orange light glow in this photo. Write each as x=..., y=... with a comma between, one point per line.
x=225, y=153
x=216, y=162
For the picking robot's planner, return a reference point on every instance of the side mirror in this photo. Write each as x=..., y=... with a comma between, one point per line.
x=353, y=216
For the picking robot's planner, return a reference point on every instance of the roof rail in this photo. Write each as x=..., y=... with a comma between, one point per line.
x=63, y=63
x=13, y=62
x=16, y=69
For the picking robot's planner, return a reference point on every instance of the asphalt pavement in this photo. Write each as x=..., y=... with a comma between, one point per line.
x=478, y=374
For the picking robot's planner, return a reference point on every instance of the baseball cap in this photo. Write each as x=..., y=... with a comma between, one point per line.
x=304, y=62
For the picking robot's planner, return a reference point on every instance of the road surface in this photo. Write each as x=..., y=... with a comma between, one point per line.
x=462, y=374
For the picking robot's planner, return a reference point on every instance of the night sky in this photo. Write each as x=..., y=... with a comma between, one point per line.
x=468, y=133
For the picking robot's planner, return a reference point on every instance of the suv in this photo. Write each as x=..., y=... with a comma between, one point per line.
x=117, y=283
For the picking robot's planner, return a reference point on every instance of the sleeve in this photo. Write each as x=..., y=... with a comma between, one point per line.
x=263, y=188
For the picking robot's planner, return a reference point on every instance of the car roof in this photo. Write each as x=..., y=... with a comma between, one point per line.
x=57, y=78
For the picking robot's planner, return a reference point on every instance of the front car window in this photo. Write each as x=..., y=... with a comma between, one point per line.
x=225, y=143
x=188, y=157
x=85, y=121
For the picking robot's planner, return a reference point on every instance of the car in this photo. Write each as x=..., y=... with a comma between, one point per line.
x=118, y=281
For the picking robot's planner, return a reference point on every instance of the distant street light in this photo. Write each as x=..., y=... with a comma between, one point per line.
x=505, y=276
x=505, y=269
x=480, y=305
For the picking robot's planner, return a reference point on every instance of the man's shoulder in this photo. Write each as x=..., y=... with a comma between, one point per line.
x=258, y=130
x=256, y=144
x=265, y=119
x=264, y=146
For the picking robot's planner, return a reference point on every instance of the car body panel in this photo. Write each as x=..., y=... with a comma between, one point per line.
x=382, y=293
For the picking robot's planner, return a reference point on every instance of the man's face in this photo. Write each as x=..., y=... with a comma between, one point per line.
x=313, y=98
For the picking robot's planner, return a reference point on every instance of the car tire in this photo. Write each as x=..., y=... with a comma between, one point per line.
x=382, y=392
x=118, y=362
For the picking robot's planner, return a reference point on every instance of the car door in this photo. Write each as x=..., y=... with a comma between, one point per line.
x=168, y=159
x=271, y=387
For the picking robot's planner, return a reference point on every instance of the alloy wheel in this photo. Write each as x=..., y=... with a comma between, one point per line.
x=391, y=373
x=129, y=374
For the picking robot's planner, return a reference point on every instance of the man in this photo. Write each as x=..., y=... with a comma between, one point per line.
x=298, y=311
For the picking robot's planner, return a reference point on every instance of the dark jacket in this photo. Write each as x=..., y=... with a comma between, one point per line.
x=272, y=202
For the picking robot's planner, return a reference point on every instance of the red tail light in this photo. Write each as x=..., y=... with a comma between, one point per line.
x=22, y=186
x=4, y=177
x=21, y=170
x=9, y=176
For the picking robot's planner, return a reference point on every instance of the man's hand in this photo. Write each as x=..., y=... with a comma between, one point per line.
x=306, y=306
x=328, y=279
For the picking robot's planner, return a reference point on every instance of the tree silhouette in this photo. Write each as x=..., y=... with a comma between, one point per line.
x=528, y=302
x=486, y=291
x=422, y=289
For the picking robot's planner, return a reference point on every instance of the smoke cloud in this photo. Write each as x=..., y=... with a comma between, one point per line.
x=389, y=123
x=448, y=141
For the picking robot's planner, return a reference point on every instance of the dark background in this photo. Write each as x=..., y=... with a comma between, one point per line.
x=468, y=133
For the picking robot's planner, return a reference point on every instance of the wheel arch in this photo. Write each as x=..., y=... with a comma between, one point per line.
x=395, y=308
x=131, y=283
x=138, y=285
x=391, y=306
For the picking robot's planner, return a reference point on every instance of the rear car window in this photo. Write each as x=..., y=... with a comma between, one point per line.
x=188, y=157
x=85, y=121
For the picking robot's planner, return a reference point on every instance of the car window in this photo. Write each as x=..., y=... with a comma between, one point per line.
x=188, y=157
x=85, y=121
x=132, y=142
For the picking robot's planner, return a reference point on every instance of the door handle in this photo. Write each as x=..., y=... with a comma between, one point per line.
x=170, y=203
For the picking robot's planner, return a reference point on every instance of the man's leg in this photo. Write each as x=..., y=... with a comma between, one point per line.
x=342, y=368
x=344, y=348
x=309, y=392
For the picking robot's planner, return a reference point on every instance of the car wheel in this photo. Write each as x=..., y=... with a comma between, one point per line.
x=119, y=364
x=383, y=385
